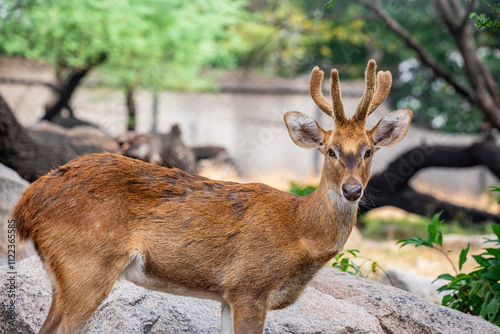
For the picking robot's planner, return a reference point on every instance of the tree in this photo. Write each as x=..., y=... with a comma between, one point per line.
x=150, y=44
x=480, y=91
x=444, y=69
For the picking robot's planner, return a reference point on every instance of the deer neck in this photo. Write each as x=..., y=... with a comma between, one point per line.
x=326, y=220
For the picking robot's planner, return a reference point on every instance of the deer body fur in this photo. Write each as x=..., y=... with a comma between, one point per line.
x=249, y=246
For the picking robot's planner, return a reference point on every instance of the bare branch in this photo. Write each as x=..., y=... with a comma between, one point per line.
x=480, y=78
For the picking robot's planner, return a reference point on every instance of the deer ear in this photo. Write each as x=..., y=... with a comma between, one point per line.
x=304, y=130
x=391, y=128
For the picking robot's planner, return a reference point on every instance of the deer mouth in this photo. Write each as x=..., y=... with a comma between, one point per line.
x=352, y=192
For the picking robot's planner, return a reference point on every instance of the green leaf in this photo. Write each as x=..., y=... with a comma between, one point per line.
x=338, y=256
x=353, y=252
x=496, y=229
x=463, y=257
x=435, y=230
x=491, y=276
x=447, y=277
x=475, y=287
x=493, y=251
x=415, y=241
x=344, y=264
x=447, y=300
x=490, y=308
x=330, y=4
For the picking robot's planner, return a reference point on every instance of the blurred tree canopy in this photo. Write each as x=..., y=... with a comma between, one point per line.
x=164, y=44
x=148, y=43
x=292, y=36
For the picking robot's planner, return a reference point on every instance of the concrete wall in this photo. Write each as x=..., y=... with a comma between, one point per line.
x=250, y=126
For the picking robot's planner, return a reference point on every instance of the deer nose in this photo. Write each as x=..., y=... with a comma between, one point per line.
x=351, y=193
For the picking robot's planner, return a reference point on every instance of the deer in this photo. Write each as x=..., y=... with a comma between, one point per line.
x=103, y=217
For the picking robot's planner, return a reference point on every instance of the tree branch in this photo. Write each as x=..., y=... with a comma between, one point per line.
x=412, y=201
x=391, y=187
x=423, y=55
x=480, y=78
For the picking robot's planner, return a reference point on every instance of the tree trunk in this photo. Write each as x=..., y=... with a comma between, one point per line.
x=34, y=153
x=130, y=102
x=64, y=91
x=483, y=90
x=391, y=187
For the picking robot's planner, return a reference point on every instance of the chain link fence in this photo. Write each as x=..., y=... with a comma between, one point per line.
x=245, y=116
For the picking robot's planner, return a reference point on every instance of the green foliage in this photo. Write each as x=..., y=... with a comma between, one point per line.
x=434, y=235
x=415, y=226
x=302, y=190
x=344, y=262
x=289, y=37
x=477, y=292
x=147, y=43
x=483, y=21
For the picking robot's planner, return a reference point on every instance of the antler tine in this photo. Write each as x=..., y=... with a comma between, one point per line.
x=384, y=83
x=370, y=77
x=316, y=94
x=338, y=107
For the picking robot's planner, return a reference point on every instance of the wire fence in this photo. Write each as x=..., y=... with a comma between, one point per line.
x=245, y=116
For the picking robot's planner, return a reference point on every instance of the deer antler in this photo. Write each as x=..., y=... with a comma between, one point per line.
x=363, y=105
x=384, y=83
x=336, y=111
x=371, y=100
x=338, y=107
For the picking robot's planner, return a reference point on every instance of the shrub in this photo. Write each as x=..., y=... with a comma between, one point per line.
x=477, y=292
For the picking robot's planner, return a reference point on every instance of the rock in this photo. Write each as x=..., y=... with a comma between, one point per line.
x=11, y=187
x=337, y=303
x=398, y=311
x=419, y=285
x=168, y=150
x=132, y=309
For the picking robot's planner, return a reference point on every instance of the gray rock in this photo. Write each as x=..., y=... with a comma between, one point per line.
x=419, y=285
x=398, y=311
x=340, y=303
x=11, y=187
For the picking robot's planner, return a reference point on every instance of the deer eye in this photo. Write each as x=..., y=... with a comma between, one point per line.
x=368, y=154
x=331, y=153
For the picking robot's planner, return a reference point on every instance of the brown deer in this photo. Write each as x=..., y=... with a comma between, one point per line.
x=251, y=247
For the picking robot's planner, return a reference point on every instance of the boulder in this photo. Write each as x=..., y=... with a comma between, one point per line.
x=419, y=285
x=11, y=187
x=398, y=311
x=336, y=303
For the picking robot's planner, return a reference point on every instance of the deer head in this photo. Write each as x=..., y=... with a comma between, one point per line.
x=349, y=147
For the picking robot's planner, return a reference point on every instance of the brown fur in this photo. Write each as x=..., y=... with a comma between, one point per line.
x=250, y=246
x=225, y=239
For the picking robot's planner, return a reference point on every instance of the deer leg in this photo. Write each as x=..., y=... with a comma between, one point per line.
x=54, y=317
x=77, y=295
x=226, y=319
x=248, y=317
